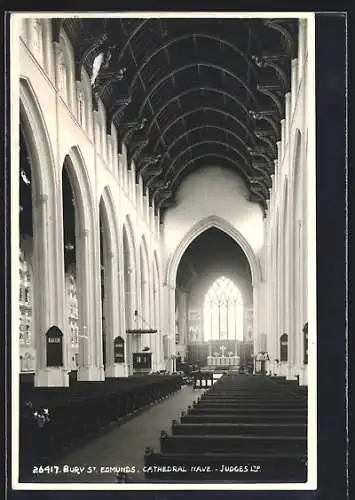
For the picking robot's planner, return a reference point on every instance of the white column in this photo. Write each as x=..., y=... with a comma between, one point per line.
x=138, y=341
x=112, y=316
x=97, y=369
x=47, y=284
x=275, y=182
x=160, y=310
x=169, y=320
x=288, y=118
x=88, y=272
x=120, y=305
x=283, y=141
x=255, y=318
x=294, y=83
x=302, y=38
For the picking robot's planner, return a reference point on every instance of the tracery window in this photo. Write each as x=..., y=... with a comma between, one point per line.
x=223, y=311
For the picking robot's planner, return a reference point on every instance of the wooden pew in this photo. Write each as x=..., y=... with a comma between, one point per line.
x=243, y=417
x=235, y=429
x=240, y=420
x=196, y=444
x=76, y=412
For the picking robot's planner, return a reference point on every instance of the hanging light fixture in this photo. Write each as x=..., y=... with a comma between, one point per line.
x=25, y=178
x=69, y=246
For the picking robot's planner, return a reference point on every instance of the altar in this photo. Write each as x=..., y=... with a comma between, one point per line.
x=223, y=360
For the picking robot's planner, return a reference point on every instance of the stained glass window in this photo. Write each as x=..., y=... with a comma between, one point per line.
x=223, y=311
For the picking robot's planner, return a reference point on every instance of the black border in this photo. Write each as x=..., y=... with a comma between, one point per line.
x=331, y=110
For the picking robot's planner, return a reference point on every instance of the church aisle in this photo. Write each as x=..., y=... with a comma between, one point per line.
x=124, y=445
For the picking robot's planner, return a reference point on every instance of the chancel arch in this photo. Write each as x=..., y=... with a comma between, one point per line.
x=199, y=228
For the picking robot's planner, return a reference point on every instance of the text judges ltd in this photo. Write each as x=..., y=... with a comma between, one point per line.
x=201, y=468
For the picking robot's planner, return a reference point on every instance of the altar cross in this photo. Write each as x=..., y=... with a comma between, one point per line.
x=223, y=348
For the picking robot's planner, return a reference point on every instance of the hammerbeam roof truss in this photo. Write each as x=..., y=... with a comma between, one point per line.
x=184, y=93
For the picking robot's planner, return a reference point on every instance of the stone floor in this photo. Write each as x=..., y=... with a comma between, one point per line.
x=122, y=446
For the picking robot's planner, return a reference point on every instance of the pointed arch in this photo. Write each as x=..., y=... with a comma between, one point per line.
x=67, y=61
x=80, y=182
x=199, y=228
x=44, y=203
x=86, y=257
x=38, y=141
x=109, y=212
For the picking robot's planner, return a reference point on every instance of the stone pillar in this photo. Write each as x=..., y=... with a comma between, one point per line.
x=161, y=326
x=255, y=319
x=278, y=329
x=112, y=316
x=302, y=43
x=294, y=83
x=288, y=119
x=169, y=321
x=121, y=304
x=97, y=370
x=90, y=341
x=283, y=141
x=261, y=315
x=46, y=285
x=277, y=165
x=129, y=295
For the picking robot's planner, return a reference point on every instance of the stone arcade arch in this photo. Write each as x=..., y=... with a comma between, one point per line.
x=48, y=280
x=174, y=260
x=88, y=270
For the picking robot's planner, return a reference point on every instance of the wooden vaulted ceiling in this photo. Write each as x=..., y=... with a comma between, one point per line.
x=187, y=93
